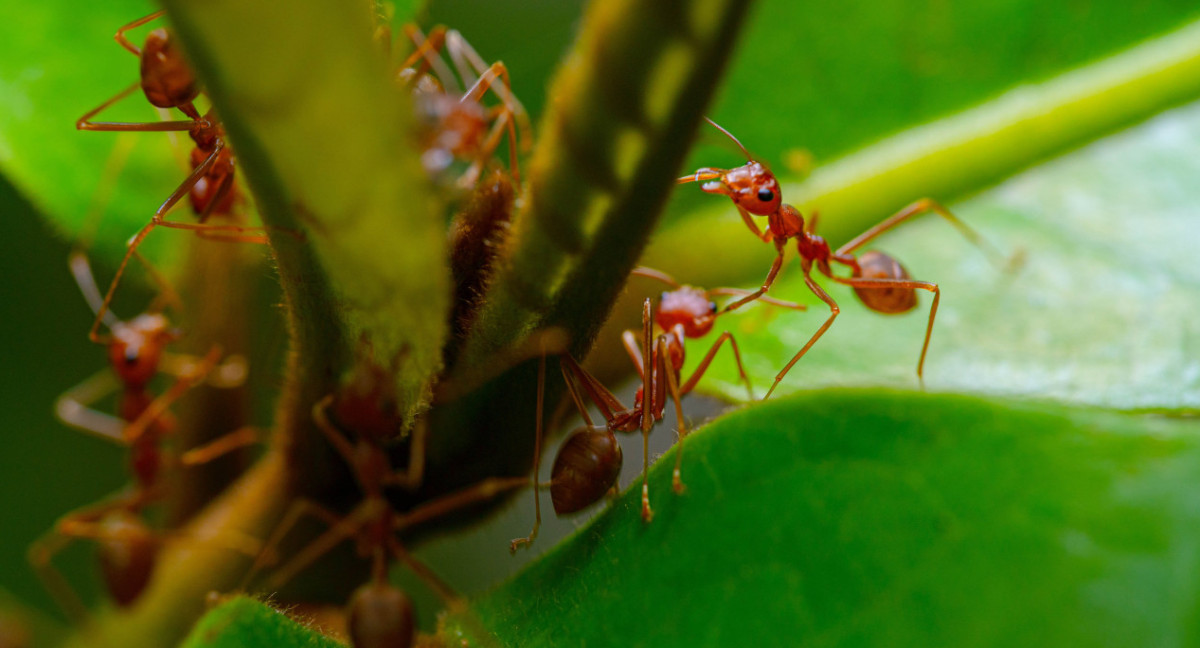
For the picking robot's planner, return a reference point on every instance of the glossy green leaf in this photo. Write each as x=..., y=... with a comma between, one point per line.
x=246, y=623
x=872, y=517
x=1102, y=312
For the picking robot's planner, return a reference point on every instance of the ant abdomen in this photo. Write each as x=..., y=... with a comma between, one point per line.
x=380, y=614
x=167, y=79
x=889, y=300
x=587, y=466
x=127, y=555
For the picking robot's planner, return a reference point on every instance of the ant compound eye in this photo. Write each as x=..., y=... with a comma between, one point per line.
x=766, y=195
x=712, y=307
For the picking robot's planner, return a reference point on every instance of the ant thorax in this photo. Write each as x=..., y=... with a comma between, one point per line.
x=449, y=129
x=688, y=307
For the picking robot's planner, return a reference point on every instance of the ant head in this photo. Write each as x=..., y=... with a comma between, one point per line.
x=366, y=403
x=137, y=346
x=752, y=186
x=688, y=307
x=167, y=78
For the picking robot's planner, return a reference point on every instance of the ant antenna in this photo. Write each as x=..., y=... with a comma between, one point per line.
x=730, y=136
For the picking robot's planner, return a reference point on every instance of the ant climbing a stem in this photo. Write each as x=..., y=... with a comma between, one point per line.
x=358, y=421
x=879, y=281
x=589, y=461
x=136, y=353
x=168, y=82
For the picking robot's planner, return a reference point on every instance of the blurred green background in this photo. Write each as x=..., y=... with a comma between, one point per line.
x=823, y=78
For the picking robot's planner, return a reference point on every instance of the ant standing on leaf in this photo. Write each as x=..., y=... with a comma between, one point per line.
x=137, y=353
x=359, y=421
x=168, y=82
x=589, y=461
x=879, y=281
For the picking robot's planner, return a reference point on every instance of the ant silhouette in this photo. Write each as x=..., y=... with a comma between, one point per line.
x=136, y=352
x=879, y=281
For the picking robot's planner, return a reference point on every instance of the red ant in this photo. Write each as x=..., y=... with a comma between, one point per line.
x=879, y=281
x=457, y=124
x=167, y=80
x=589, y=461
x=136, y=353
x=378, y=614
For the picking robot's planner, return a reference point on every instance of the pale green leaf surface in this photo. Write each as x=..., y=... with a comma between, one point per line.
x=1104, y=310
x=875, y=517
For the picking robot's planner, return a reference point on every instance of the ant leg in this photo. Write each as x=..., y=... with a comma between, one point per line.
x=341, y=530
x=480, y=492
x=410, y=478
x=158, y=407
x=336, y=438
x=74, y=407
x=766, y=299
x=435, y=583
x=240, y=438
x=884, y=284
x=629, y=339
x=833, y=313
x=548, y=341
x=647, y=406
x=299, y=509
x=537, y=461
x=490, y=144
x=702, y=174
x=771, y=274
x=708, y=358
x=604, y=399
x=428, y=52
x=85, y=122
x=124, y=42
x=922, y=206
x=462, y=54
x=680, y=426
x=40, y=556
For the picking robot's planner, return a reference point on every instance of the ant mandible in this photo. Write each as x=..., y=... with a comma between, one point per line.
x=167, y=80
x=136, y=354
x=457, y=124
x=880, y=281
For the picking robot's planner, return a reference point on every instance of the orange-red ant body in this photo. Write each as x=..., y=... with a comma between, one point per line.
x=589, y=461
x=456, y=124
x=879, y=281
x=136, y=354
x=167, y=80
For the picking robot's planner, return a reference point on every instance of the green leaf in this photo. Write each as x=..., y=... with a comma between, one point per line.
x=243, y=622
x=872, y=517
x=1103, y=311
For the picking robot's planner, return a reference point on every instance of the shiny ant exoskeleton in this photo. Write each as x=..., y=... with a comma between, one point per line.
x=879, y=281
